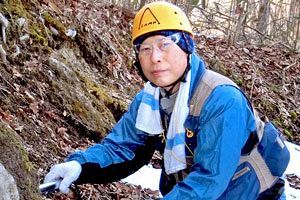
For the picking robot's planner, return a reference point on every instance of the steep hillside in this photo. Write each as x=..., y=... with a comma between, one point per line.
x=66, y=78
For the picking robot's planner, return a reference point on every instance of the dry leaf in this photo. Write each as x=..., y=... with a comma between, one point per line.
x=34, y=107
x=62, y=130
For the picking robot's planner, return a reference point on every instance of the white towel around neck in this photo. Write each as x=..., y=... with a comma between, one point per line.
x=149, y=120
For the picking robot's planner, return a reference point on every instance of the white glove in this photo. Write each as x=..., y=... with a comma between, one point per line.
x=67, y=172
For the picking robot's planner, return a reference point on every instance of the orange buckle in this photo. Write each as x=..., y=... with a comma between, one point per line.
x=189, y=133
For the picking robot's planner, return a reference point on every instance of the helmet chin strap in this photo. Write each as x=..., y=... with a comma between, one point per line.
x=172, y=85
x=180, y=79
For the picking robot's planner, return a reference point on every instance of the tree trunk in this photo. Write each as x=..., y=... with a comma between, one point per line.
x=240, y=15
x=203, y=4
x=142, y=3
x=296, y=23
x=263, y=16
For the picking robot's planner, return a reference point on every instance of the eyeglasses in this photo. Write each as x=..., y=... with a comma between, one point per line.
x=163, y=44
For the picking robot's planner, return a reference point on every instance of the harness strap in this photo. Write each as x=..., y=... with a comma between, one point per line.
x=209, y=81
x=263, y=173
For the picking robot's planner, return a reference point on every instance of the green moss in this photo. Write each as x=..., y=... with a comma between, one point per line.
x=294, y=115
x=54, y=22
x=275, y=88
x=105, y=104
x=268, y=106
x=79, y=109
x=85, y=101
x=38, y=35
x=237, y=79
x=277, y=123
x=16, y=7
x=288, y=133
x=102, y=95
x=15, y=158
x=94, y=89
x=7, y=135
x=35, y=28
x=218, y=66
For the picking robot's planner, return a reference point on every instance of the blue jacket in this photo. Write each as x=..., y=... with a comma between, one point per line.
x=221, y=130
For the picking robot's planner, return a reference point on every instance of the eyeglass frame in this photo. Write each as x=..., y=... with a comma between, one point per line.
x=175, y=38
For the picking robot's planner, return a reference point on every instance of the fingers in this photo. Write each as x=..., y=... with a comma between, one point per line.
x=65, y=184
x=62, y=185
x=66, y=172
x=53, y=175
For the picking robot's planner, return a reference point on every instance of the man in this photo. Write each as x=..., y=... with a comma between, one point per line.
x=200, y=120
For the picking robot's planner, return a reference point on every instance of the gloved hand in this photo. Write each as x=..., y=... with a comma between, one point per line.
x=68, y=172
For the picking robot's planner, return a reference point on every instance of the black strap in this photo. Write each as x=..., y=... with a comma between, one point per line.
x=274, y=192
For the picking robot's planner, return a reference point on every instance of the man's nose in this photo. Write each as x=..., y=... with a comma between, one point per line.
x=156, y=55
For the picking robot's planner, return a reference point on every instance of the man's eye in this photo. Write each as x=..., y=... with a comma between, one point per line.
x=145, y=48
x=166, y=43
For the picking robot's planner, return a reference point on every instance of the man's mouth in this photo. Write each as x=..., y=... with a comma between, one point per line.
x=157, y=72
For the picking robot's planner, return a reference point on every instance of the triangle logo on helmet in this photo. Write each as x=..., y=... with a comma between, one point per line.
x=148, y=19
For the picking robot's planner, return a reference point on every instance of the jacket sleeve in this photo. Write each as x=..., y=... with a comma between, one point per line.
x=225, y=122
x=120, y=153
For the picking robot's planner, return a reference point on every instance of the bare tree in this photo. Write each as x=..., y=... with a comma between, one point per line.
x=241, y=20
x=293, y=22
x=142, y=3
x=203, y=4
x=263, y=17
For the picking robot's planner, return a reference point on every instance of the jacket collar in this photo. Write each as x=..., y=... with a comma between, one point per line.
x=197, y=71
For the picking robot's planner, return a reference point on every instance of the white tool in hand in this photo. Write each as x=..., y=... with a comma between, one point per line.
x=49, y=187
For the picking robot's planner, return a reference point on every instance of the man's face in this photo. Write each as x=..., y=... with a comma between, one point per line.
x=162, y=61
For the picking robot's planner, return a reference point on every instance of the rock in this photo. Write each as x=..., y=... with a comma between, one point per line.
x=17, y=174
x=8, y=186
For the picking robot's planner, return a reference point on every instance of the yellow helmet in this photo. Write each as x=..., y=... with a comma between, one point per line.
x=157, y=16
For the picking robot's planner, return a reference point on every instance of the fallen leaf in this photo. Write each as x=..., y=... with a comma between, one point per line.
x=62, y=130
x=34, y=107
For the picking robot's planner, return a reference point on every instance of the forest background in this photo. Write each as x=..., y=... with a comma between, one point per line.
x=248, y=21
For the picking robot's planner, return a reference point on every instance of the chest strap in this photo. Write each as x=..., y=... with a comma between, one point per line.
x=208, y=83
